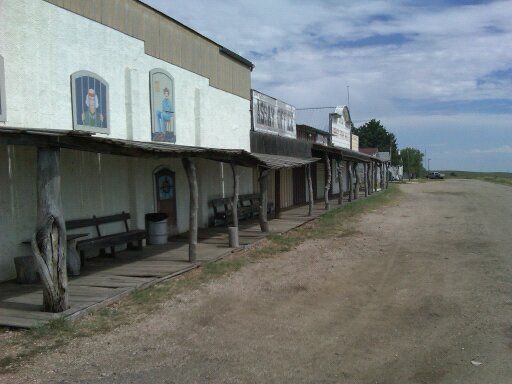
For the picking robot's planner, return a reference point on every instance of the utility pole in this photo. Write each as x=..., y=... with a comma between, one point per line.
x=348, y=96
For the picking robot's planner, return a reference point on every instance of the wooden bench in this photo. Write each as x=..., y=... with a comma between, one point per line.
x=102, y=242
x=248, y=207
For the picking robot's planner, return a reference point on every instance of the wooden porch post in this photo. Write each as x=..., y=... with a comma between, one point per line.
x=387, y=175
x=310, y=190
x=340, y=180
x=263, y=199
x=327, y=181
x=233, y=231
x=350, y=180
x=375, y=185
x=381, y=176
x=49, y=242
x=190, y=169
x=365, y=175
x=358, y=181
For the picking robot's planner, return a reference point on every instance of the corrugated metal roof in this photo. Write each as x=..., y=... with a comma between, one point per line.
x=277, y=161
x=86, y=142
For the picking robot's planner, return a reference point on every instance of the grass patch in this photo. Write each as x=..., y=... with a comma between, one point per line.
x=60, y=332
x=504, y=178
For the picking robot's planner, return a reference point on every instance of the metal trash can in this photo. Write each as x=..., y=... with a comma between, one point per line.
x=158, y=231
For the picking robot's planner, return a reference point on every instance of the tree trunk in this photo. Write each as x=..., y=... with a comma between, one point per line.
x=310, y=190
x=358, y=182
x=190, y=169
x=365, y=175
x=49, y=242
x=234, y=206
x=350, y=181
x=263, y=199
x=340, y=181
x=327, y=181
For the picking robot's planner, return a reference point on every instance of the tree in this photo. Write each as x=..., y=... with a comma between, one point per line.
x=374, y=134
x=412, y=160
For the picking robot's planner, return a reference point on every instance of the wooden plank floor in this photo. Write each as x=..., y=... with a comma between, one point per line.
x=105, y=280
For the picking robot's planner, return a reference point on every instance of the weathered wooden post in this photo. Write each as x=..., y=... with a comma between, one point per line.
x=358, y=181
x=350, y=180
x=190, y=169
x=382, y=176
x=263, y=179
x=49, y=242
x=340, y=180
x=233, y=230
x=365, y=176
x=327, y=181
x=387, y=175
x=310, y=190
x=375, y=179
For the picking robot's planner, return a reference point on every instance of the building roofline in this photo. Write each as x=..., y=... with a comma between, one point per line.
x=222, y=49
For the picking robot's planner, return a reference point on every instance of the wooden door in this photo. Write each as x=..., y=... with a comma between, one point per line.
x=165, y=187
x=277, y=191
x=299, y=185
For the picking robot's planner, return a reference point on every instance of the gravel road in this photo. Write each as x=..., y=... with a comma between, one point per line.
x=418, y=292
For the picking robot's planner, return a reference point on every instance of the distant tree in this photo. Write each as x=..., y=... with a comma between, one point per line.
x=412, y=160
x=374, y=134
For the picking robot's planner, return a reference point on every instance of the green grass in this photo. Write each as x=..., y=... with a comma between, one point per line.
x=504, y=178
x=59, y=332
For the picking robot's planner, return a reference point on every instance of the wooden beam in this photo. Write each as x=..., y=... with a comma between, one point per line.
x=233, y=231
x=236, y=188
x=263, y=200
x=49, y=242
x=340, y=180
x=190, y=169
x=350, y=181
x=310, y=190
x=375, y=184
x=365, y=175
x=327, y=181
x=358, y=181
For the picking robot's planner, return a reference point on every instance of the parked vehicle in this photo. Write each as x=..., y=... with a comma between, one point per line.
x=435, y=175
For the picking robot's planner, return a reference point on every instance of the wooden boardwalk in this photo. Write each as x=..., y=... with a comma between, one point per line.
x=106, y=280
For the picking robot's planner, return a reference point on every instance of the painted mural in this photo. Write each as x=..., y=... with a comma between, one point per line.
x=162, y=107
x=90, y=102
x=2, y=90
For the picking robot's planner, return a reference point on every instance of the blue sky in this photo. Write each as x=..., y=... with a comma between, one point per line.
x=438, y=74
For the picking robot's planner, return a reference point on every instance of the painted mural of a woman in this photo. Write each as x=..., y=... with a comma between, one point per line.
x=92, y=116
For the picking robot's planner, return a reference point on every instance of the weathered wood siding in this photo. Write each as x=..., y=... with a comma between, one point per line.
x=168, y=40
x=286, y=175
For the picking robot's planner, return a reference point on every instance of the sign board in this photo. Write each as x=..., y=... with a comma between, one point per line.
x=340, y=127
x=270, y=115
x=2, y=91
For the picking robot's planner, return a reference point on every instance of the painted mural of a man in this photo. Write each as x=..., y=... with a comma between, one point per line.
x=165, y=113
x=92, y=117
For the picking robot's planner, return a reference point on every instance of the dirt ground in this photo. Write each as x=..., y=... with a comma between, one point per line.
x=414, y=294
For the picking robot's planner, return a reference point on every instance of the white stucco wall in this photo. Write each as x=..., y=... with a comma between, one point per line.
x=43, y=45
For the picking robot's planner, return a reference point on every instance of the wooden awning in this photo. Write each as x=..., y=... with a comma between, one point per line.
x=83, y=141
x=345, y=153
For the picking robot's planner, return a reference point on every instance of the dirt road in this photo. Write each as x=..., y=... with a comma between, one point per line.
x=414, y=294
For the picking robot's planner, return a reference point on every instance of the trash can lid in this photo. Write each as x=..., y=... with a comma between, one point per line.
x=157, y=216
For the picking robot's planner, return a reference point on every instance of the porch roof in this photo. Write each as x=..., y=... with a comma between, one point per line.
x=84, y=141
x=346, y=153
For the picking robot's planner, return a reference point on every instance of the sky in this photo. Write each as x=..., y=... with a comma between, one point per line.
x=438, y=74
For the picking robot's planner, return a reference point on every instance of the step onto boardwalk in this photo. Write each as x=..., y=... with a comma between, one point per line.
x=106, y=280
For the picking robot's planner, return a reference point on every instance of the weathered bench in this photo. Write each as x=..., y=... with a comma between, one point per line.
x=248, y=207
x=102, y=242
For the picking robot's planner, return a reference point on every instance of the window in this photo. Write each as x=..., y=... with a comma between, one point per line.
x=90, y=102
x=163, y=114
x=3, y=116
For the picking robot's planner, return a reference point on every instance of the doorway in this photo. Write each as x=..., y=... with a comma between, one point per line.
x=165, y=192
